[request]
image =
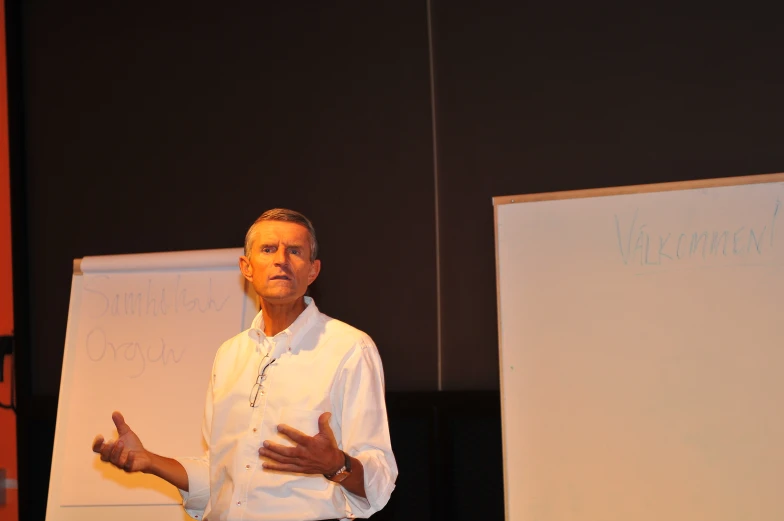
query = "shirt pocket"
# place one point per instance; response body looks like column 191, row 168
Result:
column 303, row 420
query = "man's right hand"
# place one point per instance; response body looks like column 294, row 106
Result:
column 126, row 452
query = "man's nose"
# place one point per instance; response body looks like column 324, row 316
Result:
column 281, row 256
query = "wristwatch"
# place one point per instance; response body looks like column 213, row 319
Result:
column 343, row 472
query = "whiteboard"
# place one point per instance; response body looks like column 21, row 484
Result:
column 641, row 342
column 142, row 333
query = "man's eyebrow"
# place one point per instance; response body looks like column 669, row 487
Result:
column 287, row 245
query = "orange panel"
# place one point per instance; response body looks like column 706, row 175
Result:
column 10, row 510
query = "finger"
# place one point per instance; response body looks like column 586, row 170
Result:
column 114, row 457
column 293, row 434
column 127, row 463
column 279, row 449
column 97, row 443
column 284, row 467
column 119, row 422
column 279, row 458
column 122, row 459
column 106, row 450
column 323, row 423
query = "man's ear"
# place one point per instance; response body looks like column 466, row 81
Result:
column 315, row 269
column 245, row 268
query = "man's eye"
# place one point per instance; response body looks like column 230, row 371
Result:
column 295, row 251
column 266, row 250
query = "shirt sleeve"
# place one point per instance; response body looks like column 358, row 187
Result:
column 359, row 396
column 197, row 497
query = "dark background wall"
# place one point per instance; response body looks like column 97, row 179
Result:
column 151, row 127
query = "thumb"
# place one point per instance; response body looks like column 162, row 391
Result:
column 323, row 423
column 119, row 422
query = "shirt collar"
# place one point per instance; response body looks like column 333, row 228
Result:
column 295, row 331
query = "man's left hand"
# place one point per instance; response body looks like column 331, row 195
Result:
column 317, row 454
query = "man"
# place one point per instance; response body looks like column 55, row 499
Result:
column 295, row 420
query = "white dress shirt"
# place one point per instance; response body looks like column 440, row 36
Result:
column 320, row 365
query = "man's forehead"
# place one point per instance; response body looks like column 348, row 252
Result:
column 281, row 230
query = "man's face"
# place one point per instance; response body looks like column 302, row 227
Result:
column 278, row 264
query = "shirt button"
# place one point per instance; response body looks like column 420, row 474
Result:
column 238, row 503
column 247, row 467
column 254, row 429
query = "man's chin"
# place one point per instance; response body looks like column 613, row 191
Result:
column 281, row 297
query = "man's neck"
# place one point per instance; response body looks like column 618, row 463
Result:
column 278, row 317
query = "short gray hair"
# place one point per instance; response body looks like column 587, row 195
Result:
column 285, row 215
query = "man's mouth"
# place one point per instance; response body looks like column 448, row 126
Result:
column 280, row 277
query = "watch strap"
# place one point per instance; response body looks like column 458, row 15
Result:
column 343, row 472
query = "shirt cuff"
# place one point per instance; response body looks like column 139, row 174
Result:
column 197, row 497
column 379, row 484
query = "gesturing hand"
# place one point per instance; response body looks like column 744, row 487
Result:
column 127, row 452
column 317, row 454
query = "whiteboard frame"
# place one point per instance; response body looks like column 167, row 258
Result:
column 585, row 193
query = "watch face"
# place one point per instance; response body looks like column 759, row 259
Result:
column 341, row 475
